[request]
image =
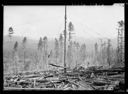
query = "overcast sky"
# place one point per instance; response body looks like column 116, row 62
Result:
column 40, row 21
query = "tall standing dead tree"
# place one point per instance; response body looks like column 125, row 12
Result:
column 120, row 40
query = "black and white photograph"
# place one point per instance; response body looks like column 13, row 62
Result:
column 64, row 47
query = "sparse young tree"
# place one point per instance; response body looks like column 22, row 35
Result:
column 108, row 52
column 40, row 44
column 96, row 51
column 45, row 50
column 50, row 58
column 70, row 26
column 69, row 54
column 73, row 54
column 61, row 48
column 121, row 23
column 96, row 48
column 82, row 53
column 103, row 53
column 40, row 53
column 15, row 57
column 24, row 48
column 10, row 31
column 77, row 53
column 56, row 49
column 51, row 54
column 15, row 46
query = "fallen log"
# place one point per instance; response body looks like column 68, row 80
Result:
column 100, row 83
column 110, row 70
column 84, row 86
column 56, row 65
column 14, row 88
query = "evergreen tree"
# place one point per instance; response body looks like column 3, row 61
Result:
column 40, row 44
column 24, row 48
column 15, row 57
column 77, row 54
column 61, row 49
column 70, row 26
column 108, row 52
column 69, row 54
column 15, row 46
column 82, row 53
column 96, row 51
column 45, row 50
column 10, row 32
column 96, row 48
column 56, row 49
column 40, row 53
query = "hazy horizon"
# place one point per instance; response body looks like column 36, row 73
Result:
column 39, row 21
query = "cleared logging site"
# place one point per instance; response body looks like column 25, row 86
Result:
column 63, row 63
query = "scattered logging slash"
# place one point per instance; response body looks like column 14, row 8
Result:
column 92, row 78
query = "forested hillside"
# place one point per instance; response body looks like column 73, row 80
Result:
column 33, row 55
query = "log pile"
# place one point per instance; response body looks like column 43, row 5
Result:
column 92, row 78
